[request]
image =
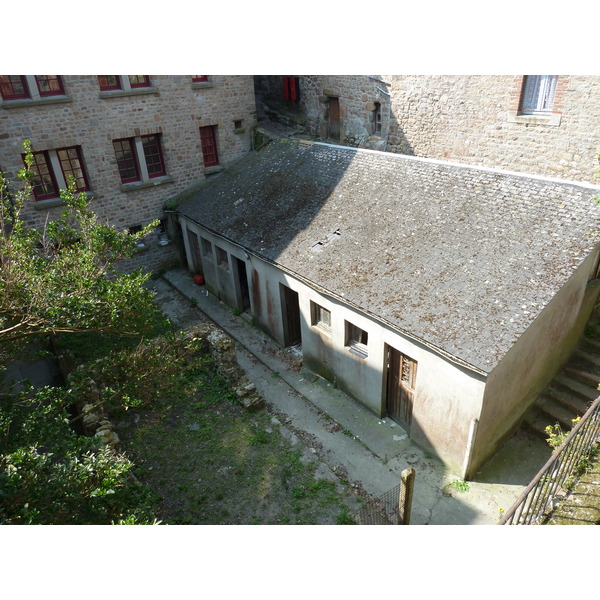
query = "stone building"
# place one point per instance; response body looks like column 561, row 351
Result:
column 130, row 141
column 441, row 294
column 543, row 124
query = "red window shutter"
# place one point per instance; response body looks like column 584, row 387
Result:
column 208, row 140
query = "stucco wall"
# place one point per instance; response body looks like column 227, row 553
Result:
column 447, row 396
column 534, row 359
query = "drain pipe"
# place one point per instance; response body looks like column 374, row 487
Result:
column 387, row 134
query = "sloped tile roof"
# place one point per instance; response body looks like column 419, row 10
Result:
column 461, row 258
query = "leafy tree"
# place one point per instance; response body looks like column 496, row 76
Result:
column 63, row 278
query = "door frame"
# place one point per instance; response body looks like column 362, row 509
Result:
column 403, row 387
column 291, row 319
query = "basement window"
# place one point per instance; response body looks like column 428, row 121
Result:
column 356, row 340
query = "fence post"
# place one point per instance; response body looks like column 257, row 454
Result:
column 407, row 485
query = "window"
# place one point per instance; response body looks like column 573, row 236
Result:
column 123, row 83
column 222, row 258
column 31, row 87
column 53, row 169
column 109, row 82
column 208, row 139
column 356, row 340
column 377, row 118
column 538, row 94
column 199, row 78
column 13, row 87
column 139, row 81
column 128, row 153
column 50, row 85
column 206, row 248
column 320, row 317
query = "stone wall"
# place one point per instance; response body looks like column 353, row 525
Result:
column 472, row 119
column 174, row 107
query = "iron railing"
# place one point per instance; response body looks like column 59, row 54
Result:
column 535, row 504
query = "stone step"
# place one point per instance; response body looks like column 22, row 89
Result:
column 582, row 390
column 536, row 422
column 582, row 375
column 575, row 404
column 590, row 344
column 555, row 412
column 582, row 356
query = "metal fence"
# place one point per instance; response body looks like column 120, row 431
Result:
column 538, row 500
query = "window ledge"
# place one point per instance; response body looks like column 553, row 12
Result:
column 200, row 85
column 323, row 329
column 144, row 185
column 241, row 130
column 124, row 93
column 41, row 102
column 52, row 202
column 359, row 350
column 550, row 119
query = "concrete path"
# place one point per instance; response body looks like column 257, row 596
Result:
column 350, row 439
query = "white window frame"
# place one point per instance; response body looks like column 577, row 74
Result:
column 539, row 92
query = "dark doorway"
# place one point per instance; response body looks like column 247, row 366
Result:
column 242, row 289
column 195, row 252
column 333, row 110
column 401, row 379
column 291, row 316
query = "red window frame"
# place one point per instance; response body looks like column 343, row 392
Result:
column 153, row 155
column 14, row 87
column 139, row 81
column 127, row 160
column 199, row 78
column 44, row 181
column 50, row 85
column 208, row 140
column 71, row 163
column 109, row 82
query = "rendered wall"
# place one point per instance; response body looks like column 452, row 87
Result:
column 533, row 361
column 447, row 396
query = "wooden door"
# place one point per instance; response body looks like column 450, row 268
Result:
column 195, row 252
column 291, row 316
column 334, row 118
column 401, row 379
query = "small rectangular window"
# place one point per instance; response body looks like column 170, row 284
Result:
column 222, row 259
column 199, row 78
column 206, row 248
column 356, row 340
column 320, row 317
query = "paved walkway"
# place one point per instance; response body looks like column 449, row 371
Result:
column 350, row 439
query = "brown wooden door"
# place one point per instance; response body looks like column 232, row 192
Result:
column 334, row 118
column 195, row 251
column 291, row 316
column 401, row 378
